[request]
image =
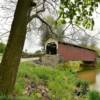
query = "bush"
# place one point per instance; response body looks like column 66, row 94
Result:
column 72, row 65
column 94, row 95
column 28, row 55
column 82, row 88
column 98, row 63
column 2, row 47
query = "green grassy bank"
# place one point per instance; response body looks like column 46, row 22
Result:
column 35, row 82
column 56, row 84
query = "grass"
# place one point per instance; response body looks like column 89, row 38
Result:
column 59, row 83
column 47, row 83
column 94, row 95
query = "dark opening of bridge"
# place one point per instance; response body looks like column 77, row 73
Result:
column 51, row 48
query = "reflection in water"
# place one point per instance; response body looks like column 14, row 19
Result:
column 92, row 77
column 89, row 76
column 97, row 83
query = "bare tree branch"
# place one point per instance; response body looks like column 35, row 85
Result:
column 43, row 21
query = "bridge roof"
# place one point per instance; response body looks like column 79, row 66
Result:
column 74, row 45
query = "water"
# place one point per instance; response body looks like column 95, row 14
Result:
column 93, row 77
column 96, row 85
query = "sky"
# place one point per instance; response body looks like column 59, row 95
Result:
column 36, row 39
column 32, row 42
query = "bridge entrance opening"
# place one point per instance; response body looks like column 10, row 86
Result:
column 51, row 48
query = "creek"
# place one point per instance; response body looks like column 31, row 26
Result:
column 93, row 77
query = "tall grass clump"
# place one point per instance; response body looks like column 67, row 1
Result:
column 94, row 95
column 70, row 65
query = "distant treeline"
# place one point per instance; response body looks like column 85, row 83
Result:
column 29, row 55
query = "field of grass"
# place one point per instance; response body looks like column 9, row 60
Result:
column 48, row 83
column 35, row 82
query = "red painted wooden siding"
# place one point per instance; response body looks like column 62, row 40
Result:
column 74, row 53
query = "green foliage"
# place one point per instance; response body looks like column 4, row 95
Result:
column 56, row 28
column 98, row 63
column 30, row 55
column 2, row 47
column 71, row 65
column 4, row 97
column 78, row 12
column 84, row 87
column 59, row 82
column 94, row 95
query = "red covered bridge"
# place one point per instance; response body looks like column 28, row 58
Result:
column 70, row 52
column 75, row 53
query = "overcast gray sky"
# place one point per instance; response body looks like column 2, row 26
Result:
column 32, row 42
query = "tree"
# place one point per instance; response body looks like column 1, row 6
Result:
column 78, row 12
column 84, row 41
column 88, row 42
column 93, row 44
column 12, row 55
column 11, row 59
column 57, row 29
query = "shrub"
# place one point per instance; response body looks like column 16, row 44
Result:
column 2, row 47
column 5, row 97
column 82, row 88
column 98, row 63
column 94, row 95
column 72, row 65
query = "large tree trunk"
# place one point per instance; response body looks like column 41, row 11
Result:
column 12, row 55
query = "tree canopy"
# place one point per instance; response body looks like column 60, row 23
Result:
column 57, row 29
column 78, row 12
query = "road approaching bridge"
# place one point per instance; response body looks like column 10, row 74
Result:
column 29, row 59
column 24, row 59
